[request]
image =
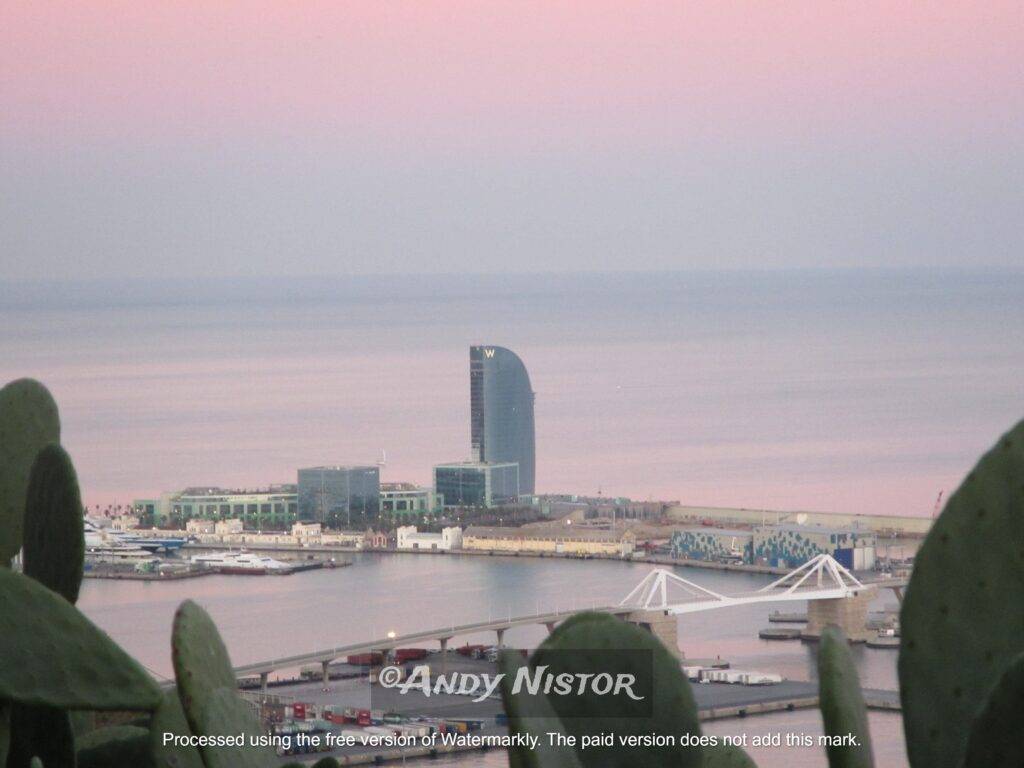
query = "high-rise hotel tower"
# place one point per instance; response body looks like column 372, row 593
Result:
column 501, row 411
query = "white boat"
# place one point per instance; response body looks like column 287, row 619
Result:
column 102, row 546
column 240, row 562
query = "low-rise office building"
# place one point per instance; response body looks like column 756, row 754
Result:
column 401, row 499
column 273, row 507
column 334, row 495
column 568, row 540
column 477, row 483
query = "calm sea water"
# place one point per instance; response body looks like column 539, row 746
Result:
column 846, row 391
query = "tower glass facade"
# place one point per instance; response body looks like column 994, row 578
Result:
column 501, row 411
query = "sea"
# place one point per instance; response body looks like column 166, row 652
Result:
column 849, row 391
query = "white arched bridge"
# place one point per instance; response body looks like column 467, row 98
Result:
column 821, row 578
column 660, row 592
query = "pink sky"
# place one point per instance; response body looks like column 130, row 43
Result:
column 600, row 69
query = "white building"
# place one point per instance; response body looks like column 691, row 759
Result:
column 409, row 538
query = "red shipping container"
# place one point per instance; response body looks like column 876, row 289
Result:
column 299, row 711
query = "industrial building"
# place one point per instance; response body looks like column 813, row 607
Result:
column 781, row 546
column 501, row 411
column 477, row 483
column 719, row 545
column 568, row 540
column 334, row 495
column 791, row 545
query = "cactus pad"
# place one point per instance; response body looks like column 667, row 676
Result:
column 726, row 756
column 532, row 715
column 53, row 655
column 28, row 423
column 169, row 718
column 842, row 703
column 961, row 621
column 118, row 745
column 54, row 542
column 995, row 734
column 206, row 689
column 42, row 732
column 667, row 706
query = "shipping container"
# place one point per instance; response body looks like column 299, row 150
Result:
column 365, row 659
column 403, row 655
column 844, row 557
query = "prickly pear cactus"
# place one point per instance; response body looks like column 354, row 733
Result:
column 842, row 703
column 54, row 542
column 119, row 745
column 206, row 689
column 54, row 656
column 28, row 423
column 726, row 756
column 43, row 732
column 5, row 730
column 532, row 715
column 666, row 707
column 995, row 734
column 961, row 620
column 170, row 718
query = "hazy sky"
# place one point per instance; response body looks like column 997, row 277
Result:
column 186, row 138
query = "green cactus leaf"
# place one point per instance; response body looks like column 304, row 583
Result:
column 54, row 656
column 726, row 756
column 43, row 732
column 326, row 762
column 995, row 733
column 206, row 689
column 667, row 707
column 54, row 541
column 170, row 718
column 28, row 423
column 960, row 621
column 842, row 703
column 5, row 730
column 82, row 721
column 532, row 715
column 118, row 745
column 201, row 662
column 224, row 713
column 36, row 763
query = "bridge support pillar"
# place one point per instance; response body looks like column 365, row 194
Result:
column 550, row 625
column 444, row 654
column 325, row 667
column 898, row 591
column 661, row 624
column 850, row 614
column 501, row 637
column 263, row 683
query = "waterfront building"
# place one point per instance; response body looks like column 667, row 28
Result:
column 791, row 545
column 334, row 495
column 407, row 537
column 273, row 507
column 408, row 499
column 553, row 539
column 501, row 411
column 477, row 483
column 721, row 545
